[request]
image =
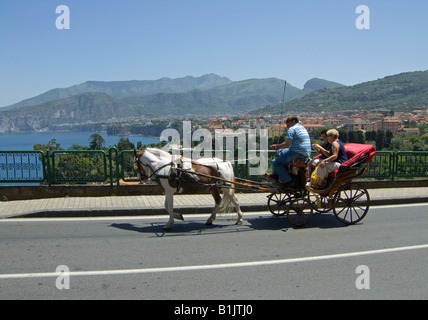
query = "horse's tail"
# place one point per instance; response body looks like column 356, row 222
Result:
column 226, row 205
column 228, row 193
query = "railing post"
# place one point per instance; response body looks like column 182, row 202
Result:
column 45, row 172
column 48, row 168
column 393, row 165
column 110, row 151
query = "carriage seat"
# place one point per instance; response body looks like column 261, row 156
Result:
column 300, row 162
column 358, row 154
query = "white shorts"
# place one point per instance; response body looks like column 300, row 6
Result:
column 322, row 172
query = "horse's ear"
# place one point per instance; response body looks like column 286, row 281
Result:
column 135, row 153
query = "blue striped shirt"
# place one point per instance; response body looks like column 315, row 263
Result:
column 301, row 142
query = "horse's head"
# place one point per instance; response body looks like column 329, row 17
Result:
column 140, row 165
column 150, row 162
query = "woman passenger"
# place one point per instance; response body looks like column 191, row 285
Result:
column 335, row 157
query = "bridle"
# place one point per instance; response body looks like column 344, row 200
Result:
column 138, row 165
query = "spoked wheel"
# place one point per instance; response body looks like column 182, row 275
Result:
column 351, row 203
column 300, row 212
column 278, row 203
column 320, row 203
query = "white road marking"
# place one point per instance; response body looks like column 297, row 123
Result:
column 212, row 266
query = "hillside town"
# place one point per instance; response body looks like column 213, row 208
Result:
column 406, row 122
column 409, row 129
column 386, row 130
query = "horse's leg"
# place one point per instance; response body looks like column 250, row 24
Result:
column 169, row 206
column 217, row 198
column 238, row 209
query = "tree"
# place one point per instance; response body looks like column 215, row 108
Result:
column 380, row 140
column 361, row 138
column 96, row 142
column 316, row 134
column 343, row 135
column 76, row 146
column 388, row 137
column 51, row 146
column 399, row 143
column 371, row 135
column 124, row 144
column 353, row 137
column 424, row 137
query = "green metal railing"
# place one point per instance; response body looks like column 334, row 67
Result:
column 410, row 164
column 97, row 166
column 22, row 166
column 381, row 166
column 78, row 166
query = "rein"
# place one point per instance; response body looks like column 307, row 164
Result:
column 158, row 169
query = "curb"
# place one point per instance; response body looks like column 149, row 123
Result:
column 115, row 212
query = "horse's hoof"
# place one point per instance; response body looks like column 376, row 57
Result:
column 178, row 216
column 209, row 223
column 238, row 223
column 166, row 227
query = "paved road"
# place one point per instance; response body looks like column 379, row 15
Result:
column 265, row 258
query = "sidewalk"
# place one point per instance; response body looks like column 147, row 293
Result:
column 153, row 205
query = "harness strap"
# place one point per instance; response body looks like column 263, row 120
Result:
column 158, row 169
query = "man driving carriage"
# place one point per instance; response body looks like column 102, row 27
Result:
column 296, row 146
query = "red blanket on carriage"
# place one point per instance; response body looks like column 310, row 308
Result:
column 358, row 154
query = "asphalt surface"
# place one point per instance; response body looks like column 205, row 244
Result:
column 265, row 258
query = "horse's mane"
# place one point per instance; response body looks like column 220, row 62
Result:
column 164, row 155
column 159, row 153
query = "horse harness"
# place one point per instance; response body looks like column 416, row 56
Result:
column 177, row 172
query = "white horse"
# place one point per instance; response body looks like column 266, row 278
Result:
column 182, row 175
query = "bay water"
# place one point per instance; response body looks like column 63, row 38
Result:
column 25, row 141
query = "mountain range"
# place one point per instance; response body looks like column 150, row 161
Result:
column 108, row 102
column 121, row 89
column 402, row 92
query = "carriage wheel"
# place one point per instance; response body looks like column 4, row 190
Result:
column 278, row 203
column 325, row 205
column 300, row 212
column 351, row 203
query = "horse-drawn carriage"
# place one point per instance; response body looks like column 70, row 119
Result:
column 349, row 200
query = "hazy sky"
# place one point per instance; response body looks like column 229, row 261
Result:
column 239, row 39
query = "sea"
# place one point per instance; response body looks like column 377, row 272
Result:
column 25, row 141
